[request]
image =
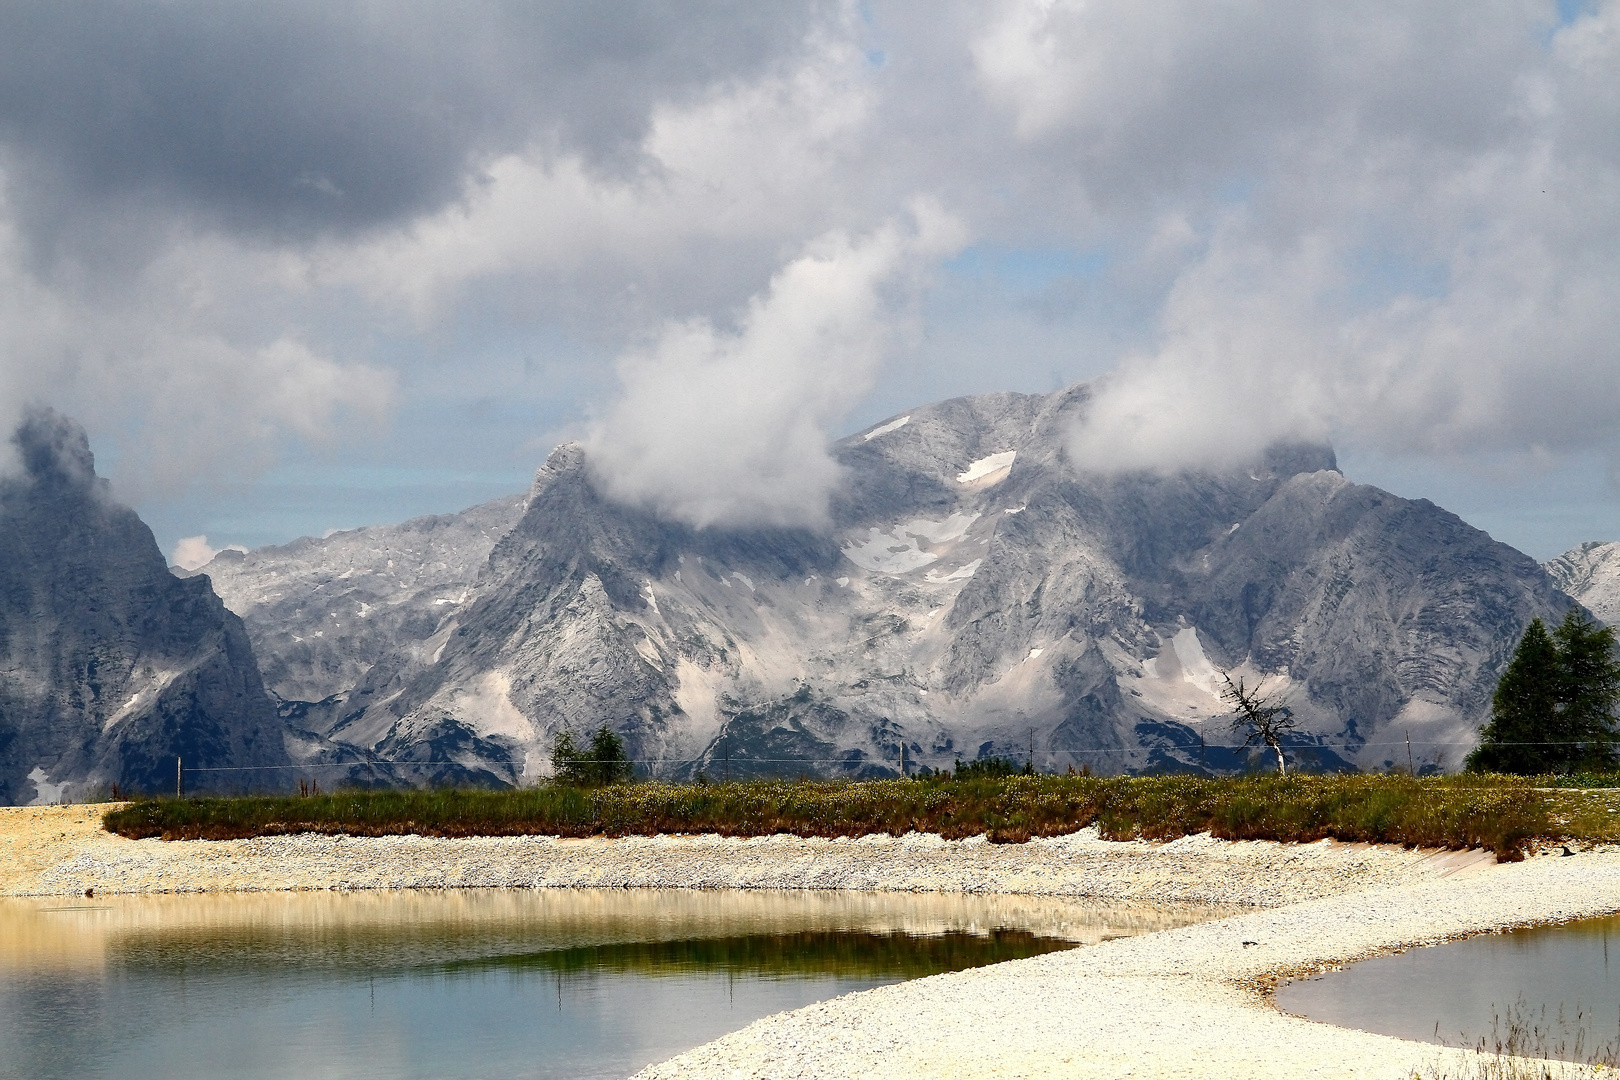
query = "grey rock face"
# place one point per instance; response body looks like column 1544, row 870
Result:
column 1591, row 574
column 979, row 594
column 110, row 666
column 323, row 612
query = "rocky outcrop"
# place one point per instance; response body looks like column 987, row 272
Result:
column 322, row 612
column 1591, row 574
column 979, row 593
column 110, row 666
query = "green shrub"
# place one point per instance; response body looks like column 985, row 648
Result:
column 990, row 767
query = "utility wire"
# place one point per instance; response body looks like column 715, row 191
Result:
column 846, row 760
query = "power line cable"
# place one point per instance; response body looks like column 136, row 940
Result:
column 848, row 761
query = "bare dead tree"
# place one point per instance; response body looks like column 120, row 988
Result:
column 1260, row 717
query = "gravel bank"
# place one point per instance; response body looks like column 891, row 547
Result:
column 1187, row 1002
column 1181, row 1003
column 64, row 851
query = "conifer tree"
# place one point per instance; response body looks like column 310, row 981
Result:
column 603, row 762
column 1524, row 709
column 1588, row 693
column 1554, row 708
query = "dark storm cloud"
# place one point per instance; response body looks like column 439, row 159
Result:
column 289, row 119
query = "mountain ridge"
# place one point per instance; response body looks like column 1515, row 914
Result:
column 111, row 668
column 1590, row 573
column 977, row 594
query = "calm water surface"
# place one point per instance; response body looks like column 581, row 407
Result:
column 1560, row 978
column 484, row 983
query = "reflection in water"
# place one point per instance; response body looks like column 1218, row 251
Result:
column 477, row 983
column 1556, row 982
column 844, row 954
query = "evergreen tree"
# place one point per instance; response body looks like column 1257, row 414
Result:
column 1588, row 693
column 1523, row 710
column 1554, row 708
column 609, row 763
column 603, row 762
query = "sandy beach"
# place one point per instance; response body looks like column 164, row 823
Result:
column 1187, row 1002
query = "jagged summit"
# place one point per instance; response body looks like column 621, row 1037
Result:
column 110, row 667
column 978, row 593
column 1591, row 574
column 55, row 456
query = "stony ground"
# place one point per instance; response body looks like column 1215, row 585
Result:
column 1180, row 1003
column 1188, row 1002
column 63, row 850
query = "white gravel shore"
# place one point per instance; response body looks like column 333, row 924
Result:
column 1190, row 1002
column 1186, row 1002
column 63, row 851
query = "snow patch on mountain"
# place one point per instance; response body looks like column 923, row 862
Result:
column 992, row 468
column 884, row 429
column 488, row 704
column 907, row 546
column 961, row 573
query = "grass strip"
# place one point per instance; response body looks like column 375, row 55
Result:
column 1499, row 813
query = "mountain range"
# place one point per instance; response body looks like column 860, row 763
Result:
column 977, row 593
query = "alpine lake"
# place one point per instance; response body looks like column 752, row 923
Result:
column 573, row 983
column 1546, row 991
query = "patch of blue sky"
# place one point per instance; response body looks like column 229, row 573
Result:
column 1027, row 270
column 1236, row 190
column 1565, row 13
column 309, row 499
column 379, row 477
column 1379, row 275
column 1570, row 10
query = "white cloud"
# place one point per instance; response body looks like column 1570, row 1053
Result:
column 1396, row 226
column 194, row 552
column 1395, row 243
column 730, row 426
column 747, row 165
column 173, row 367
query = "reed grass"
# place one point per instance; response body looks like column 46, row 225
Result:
column 1503, row 814
column 1529, row 1044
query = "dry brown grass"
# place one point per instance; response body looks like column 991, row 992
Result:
column 1499, row 813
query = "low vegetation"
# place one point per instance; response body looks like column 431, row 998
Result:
column 1529, row 1044
column 1501, row 813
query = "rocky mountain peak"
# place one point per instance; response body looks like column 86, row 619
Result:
column 110, row 667
column 55, row 456
column 1591, row 574
column 978, row 593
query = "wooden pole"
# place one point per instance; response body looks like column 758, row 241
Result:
column 179, row 785
column 1410, row 767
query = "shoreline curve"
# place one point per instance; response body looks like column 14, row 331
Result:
column 1190, row 1002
